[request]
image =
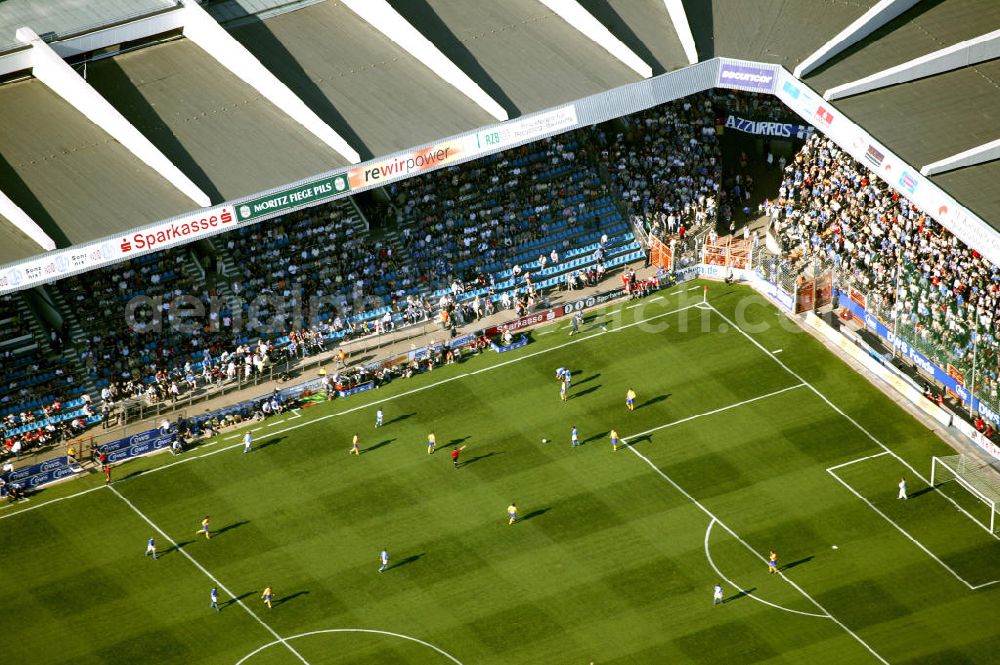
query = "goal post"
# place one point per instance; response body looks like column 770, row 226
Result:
column 978, row 478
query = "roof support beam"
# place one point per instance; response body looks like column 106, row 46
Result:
column 970, row 52
column 204, row 31
column 883, row 12
column 381, row 16
column 13, row 213
column 578, row 17
column 986, row 152
column 675, row 8
column 50, row 69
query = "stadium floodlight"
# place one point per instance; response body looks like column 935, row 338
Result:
column 978, row 478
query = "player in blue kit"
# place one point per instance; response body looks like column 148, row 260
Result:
column 378, row 418
column 151, row 547
column 215, row 600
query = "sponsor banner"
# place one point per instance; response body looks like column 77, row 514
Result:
column 383, row 171
column 463, row 340
column 356, row 389
column 687, row 274
column 595, row 299
column 977, row 438
column 137, row 445
column 761, row 128
column 905, row 179
column 308, row 194
column 886, row 373
column 522, row 130
column 295, row 391
column 918, row 359
column 721, row 272
column 777, row 294
column 60, row 263
column 176, row 232
column 523, row 341
column 36, row 475
column 755, row 77
column 530, row 320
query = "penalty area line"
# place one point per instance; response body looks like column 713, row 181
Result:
column 844, row 414
column 972, row 587
column 209, row 575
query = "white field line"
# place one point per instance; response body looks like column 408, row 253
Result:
column 693, row 288
column 913, row 540
column 713, row 412
column 633, row 306
column 849, row 418
column 295, row 414
column 369, row 405
column 757, row 554
column 353, row 630
column 276, row 422
column 750, row 594
column 855, row 461
column 656, row 298
column 207, row 574
column 777, row 351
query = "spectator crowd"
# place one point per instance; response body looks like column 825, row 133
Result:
column 941, row 295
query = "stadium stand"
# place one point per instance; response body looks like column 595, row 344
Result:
column 465, row 242
column 43, row 399
column 944, row 294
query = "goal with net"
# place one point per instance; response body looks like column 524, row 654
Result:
column 980, row 479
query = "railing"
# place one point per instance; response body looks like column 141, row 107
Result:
column 969, row 364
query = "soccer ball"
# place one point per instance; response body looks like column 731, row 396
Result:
column 545, row 440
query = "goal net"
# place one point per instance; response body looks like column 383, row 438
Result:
column 977, row 478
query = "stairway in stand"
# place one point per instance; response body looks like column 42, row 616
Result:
column 74, row 337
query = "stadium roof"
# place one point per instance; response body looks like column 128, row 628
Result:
column 453, row 66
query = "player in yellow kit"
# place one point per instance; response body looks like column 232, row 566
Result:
column 266, row 596
column 511, row 513
column 614, row 441
column 204, row 529
column 562, row 391
column 431, row 442
column 630, row 399
column 772, row 562
column 355, row 449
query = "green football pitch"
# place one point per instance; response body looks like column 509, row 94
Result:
column 748, row 437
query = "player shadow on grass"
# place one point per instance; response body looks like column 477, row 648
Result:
column 534, row 513
column 408, row 560
column 230, row 527
column 480, row 457
column 798, row 562
column 377, row 446
column 457, row 442
column 586, row 391
column 654, row 400
column 740, row 594
column 176, row 547
column 233, row 601
column 595, row 437
column 589, row 378
column 270, row 442
column 291, row 596
column 399, row 418
column 929, row 488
